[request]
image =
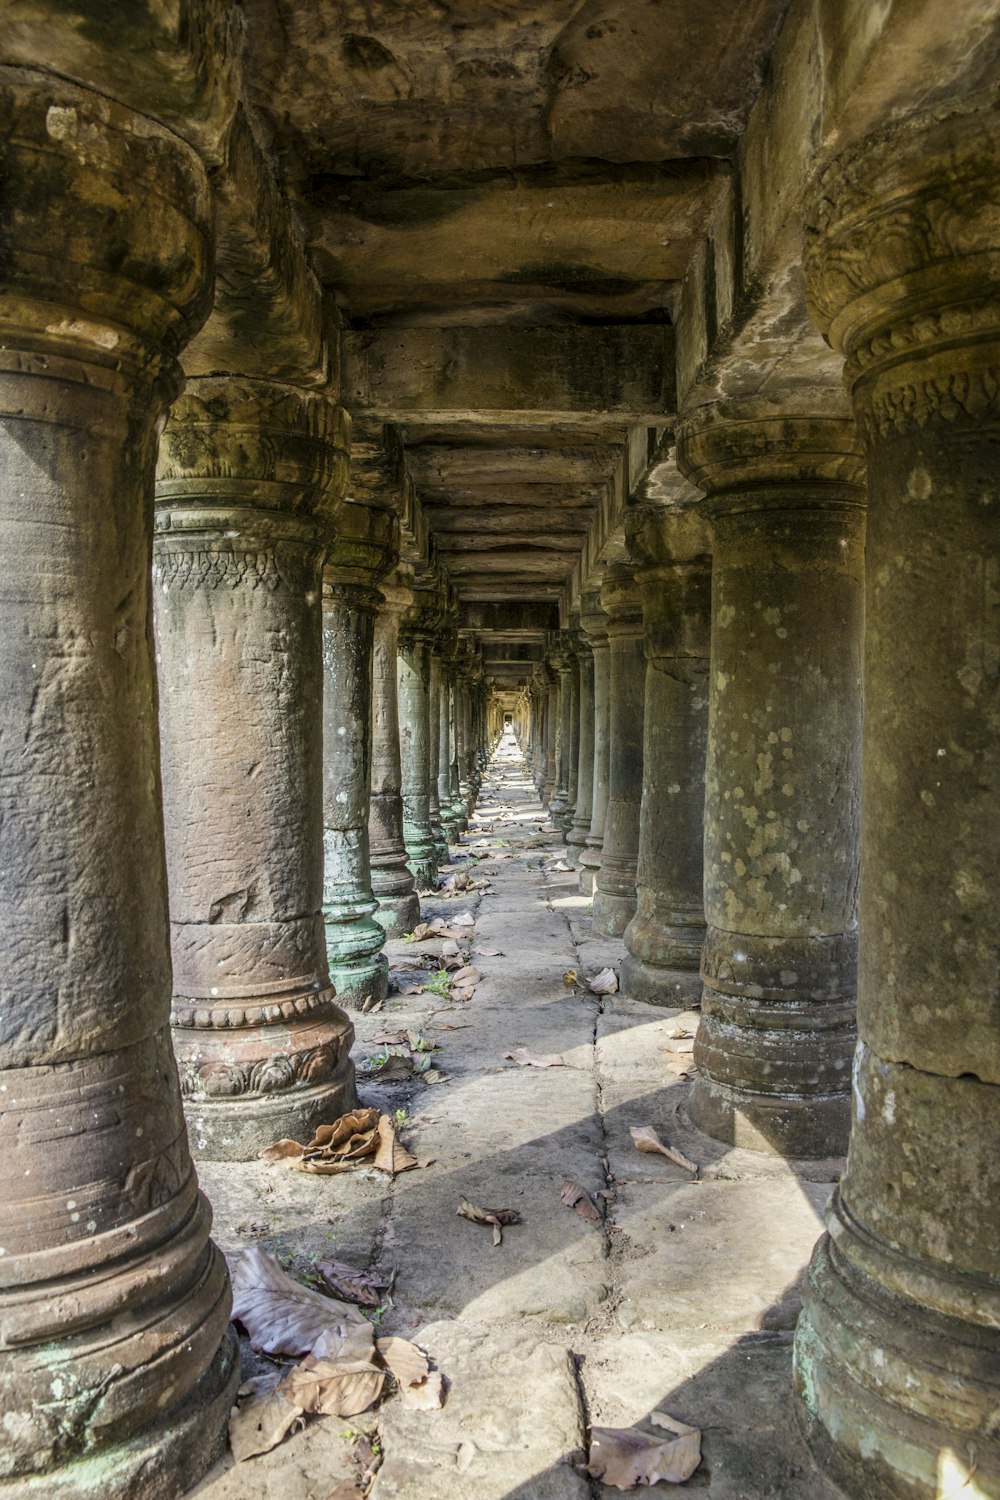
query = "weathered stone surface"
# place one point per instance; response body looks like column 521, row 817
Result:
column 614, row 886
column 392, row 882
column 897, row 1352
column 116, row 1368
column 245, row 468
column 594, row 625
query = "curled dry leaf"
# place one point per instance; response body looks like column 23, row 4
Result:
column 396, row 1068
column 526, row 1059
column 420, row 1388
column 604, row 982
column 464, row 919
column 392, row 1038
column 488, row 952
column 576, row 1197
column 493, row 1216
column 283, row 1317
column 624, row 1457
column 363, row 1287
column 404, row 987
column 645, row 1138
column 570, row 977
column 466, row 976
column 346, row 1490
column 333, row 1388
column 392, row 1157
column 260, row 1423
column 680, row 1031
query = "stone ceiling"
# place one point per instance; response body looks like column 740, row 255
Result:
column 500, row 200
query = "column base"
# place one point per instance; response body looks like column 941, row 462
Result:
column 239, row 1129
column 163, row 1461
column 677, row 988
column 360, row 982
column 801, row 1126
column 590, row 864
column 612, row 912
column 897, row 1401
column 397, row 915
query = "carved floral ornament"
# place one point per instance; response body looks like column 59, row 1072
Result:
column 902, row 263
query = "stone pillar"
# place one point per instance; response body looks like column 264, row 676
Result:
column 398, row 904
column 435, row 694
column 244, row 470
column 781, row 798
column 579, row 828
column 459, row 810
column 450, row 813
column 663, row 940
column 552, row 726
column 412, row 676
column 573, row 780
column 116, row 1369
column 898, row 1345
column 594, row 623
column 363, row 549
column 561, row 662
column 614, row 888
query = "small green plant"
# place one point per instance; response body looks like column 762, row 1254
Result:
column 421, row 1044
column 439, row 983
column 401, row 1118
column 378, row 1313
column 407, row 937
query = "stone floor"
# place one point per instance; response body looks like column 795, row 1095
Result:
column 683, row 1298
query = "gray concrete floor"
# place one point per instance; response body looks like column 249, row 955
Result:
column 682, row 1298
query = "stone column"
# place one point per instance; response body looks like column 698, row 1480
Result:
column 116, row 1369
column 459, row 810
column 364, row 547
column 579, row 828
column 552, row 727
column 898, row 1345
column 398, row 904
column 245, row 470
column 450, row 813
column 412, row 675
column 594, row 623
column 561, row 663
column 614, row 888
column 663, row 940
column 573, row 780
column 435, row 694
column 781, row 798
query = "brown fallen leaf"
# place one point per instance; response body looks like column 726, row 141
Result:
column 679, row 1031
column 645, row 1138
column 261, row 1422
column 431, row 1076
column 346, row 1490
column 403, row 988
column 604, row 982
column 396, row 1068
column 392, row 1156
column 625, row 1457
column 283, row 1317
column 420, row 1388
column 576, row 1197
column 494, row 1216
column 526, row 1059
column 488, row 952
column 333, row 1388
column 570, row 977
column 467, row 975
column 366, row 1288
column 392, row 1038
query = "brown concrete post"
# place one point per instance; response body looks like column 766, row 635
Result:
column 663, row 940
column 781, row 797
column 614, row 887
column 576, row 838
column 594, row 624
column 364, row 547
column 392, row 883
column 116, row 1368
column 898, row 1346
column 245, row 472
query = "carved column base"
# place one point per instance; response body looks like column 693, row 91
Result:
column 360, row 982
column 612, row 913
column 399, row 913
column 872, row 1361
column 590, row 863
column 246, row 1084
column 663, row 954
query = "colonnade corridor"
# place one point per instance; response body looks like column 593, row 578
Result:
column 681, row 1296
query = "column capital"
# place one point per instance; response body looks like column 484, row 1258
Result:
column 244, row 454
column 83, row 178
column 365, row 546
column 593, row 620
column 662, row 536
column 621, row 600
column 902, row 263
column 750, row 448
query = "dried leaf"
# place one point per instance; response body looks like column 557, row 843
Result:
column 466, row 976
column 680, row 1031
column 420, row 1389
column 464, row 919
column 392, row 1157
column 363, row 1287
column 396, row 1068
column 283, row 1317
column 605, row 982
column 494, row 1216
column 404, row 988
column 645, row 1138
column 392, row 1038
column 333, row 1388
column 261, row 1423
column 624, row 1457
column 488, row 952
column 346, row 1490
column 576, row 1197
column 430, row 1076
column 571, row 977
column 526, row 1059
column 281, row 1151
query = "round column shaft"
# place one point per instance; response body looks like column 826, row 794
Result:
column 244, row 468
column 450, row 813
column 116, row 1368
column 364, row 547
column 411, row 685
column 898, row 1345
column 552, row 726
column 781, row 799
column 663, row 940
column 579, row 828
column 574, row 741
column 614, row 888
column 559, row 806
column 594, row 623
column 398, row 904
column 434, row 697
